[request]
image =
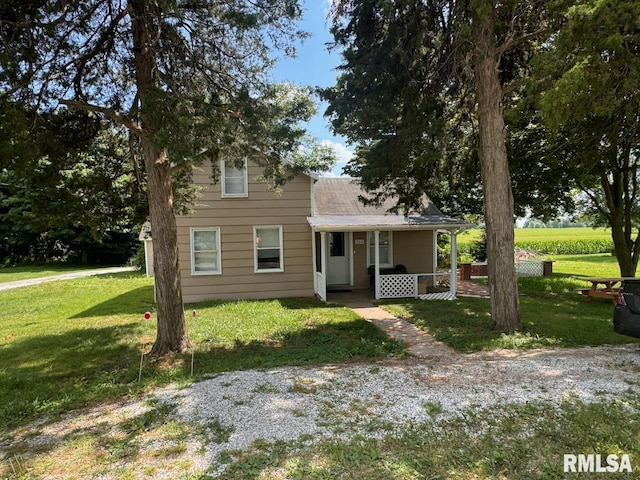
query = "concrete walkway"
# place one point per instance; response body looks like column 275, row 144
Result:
column 64, row 276
column 418, row 342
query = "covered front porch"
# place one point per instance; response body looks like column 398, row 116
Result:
column 389, row 261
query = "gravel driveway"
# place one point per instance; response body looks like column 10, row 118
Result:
column 373, row 399
column 339, row 401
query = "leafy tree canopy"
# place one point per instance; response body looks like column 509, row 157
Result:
column 580, row 116
column 68, row 189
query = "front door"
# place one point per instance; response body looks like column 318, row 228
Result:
column 338, row 263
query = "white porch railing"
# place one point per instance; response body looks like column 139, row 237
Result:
column 320, row 286
column 405, row 285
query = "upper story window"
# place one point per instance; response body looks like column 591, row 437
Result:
column 268, row 251
column 234, row 178
column 386, row 249
column 205, row 251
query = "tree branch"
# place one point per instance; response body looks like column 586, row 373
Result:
column 112, row 114
column 105, row 37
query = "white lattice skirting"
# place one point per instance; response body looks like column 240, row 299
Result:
column 438, row 296
column 530, row 268
column 398, row 286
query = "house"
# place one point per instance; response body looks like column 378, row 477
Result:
column 244, row 240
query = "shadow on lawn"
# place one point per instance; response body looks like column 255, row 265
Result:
column 49, row 374
column 293, row 303
column 133, row 302
column 316, row 344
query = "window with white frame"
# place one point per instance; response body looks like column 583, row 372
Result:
column 268, row 251
column 386, row 250
column 234, row 178
column 205, row 251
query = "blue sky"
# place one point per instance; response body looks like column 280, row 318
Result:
column 315, row 66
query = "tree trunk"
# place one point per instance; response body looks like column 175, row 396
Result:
column 624, row 246
column 496, row 180
column 171, row 331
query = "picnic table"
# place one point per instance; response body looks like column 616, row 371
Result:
column 604, row 287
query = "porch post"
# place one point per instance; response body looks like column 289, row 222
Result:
column 315, row 261
column 376, row 236
column 323, row 265
column 454, row 262
column 434, row 260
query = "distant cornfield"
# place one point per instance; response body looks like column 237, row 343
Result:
column 551, row 241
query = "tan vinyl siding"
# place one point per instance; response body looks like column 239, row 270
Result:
column 236, row 218
column 414, row 250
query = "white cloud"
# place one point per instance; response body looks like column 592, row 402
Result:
column 343, row 155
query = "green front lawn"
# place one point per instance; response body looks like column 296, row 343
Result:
column 72, row 343
column 553, row 314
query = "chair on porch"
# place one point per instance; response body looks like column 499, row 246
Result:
column 383, row 271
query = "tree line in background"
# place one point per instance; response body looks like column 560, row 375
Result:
column 69, row 189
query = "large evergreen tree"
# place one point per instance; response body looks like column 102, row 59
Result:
column 421, row 92
column 189, row 79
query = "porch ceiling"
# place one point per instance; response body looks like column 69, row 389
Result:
column 357, row 223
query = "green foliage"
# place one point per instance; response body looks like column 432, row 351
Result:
column 212, row 94
column 578, row 118
column 556, row 241
column 189, row 80
column 567, row 247
column 479, row 249
column 68, row 190
column 413, row 136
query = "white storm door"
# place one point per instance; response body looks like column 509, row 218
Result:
column 338, row 259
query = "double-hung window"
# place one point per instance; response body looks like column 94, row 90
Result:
column 205, row 251
column 234, row 178
column 386, row 259
column 268, row 251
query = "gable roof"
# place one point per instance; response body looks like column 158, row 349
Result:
column 336, row 206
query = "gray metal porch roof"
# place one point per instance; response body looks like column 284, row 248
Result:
column 337, row 207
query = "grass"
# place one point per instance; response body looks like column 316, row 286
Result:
column 531, row 234
column 514, row 441
column 73, row 343
column 13, row 274
column 553, row 314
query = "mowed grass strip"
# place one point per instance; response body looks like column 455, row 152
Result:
column 72, row 343
column 552, row 312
